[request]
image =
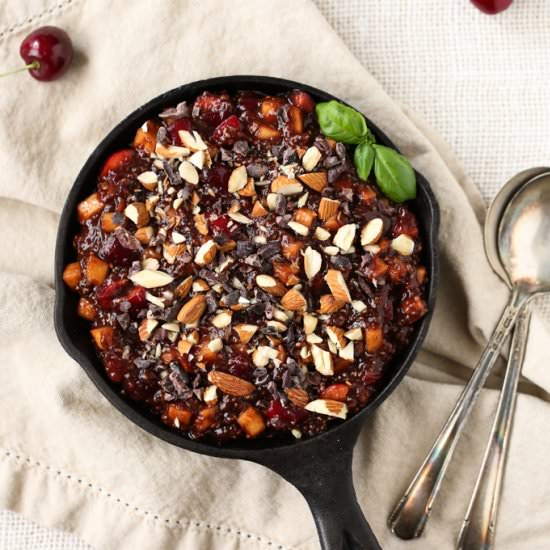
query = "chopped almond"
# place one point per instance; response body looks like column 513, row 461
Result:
column 258, row 211
column 305, row 216
column 328, row 208
column 291, row 250
column 314, row 180
column 330, row 304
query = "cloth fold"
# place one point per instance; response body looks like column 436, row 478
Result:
column 67, row 459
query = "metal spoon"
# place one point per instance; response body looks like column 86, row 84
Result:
column 524, row 249
column 478, row 530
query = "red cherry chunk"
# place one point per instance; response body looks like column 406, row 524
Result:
column 175, row 126
column 50, row 49
column 108, row 291
column 240, row 365
column 302, row 100
column 227, row 132
column 136, row 297
column 220, row 224
column 213, row 108
column 116, row 367
column 282, row 417
column 218, row 176
column 406, row 223
column 117, row 161
column 120, row 248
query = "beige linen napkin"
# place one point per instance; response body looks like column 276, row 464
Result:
column 67, row 459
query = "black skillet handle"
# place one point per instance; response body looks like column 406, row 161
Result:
column 321, row 471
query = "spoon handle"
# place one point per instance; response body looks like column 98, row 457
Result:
column 478, row 528
column 409, row 517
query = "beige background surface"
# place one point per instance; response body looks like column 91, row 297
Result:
column 479, row 81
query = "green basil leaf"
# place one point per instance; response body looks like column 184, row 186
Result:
column 394, row 174
column 363, row 159
column 340, row 122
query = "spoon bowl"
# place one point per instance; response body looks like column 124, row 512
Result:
column 523, row 236
column 495, row 212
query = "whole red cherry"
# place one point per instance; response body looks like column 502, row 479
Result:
column 492, row 7
column 48, row 52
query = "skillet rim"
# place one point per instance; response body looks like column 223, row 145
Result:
column 254, row 450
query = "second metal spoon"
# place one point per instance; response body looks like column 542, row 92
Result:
column 479, row 527
column 522, row 239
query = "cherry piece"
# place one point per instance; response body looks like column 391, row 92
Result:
column 120, row 248
column 48, row 52
column 282, row 417
column 405, row 223
column 302, row 100
column 492, row 7
column 212, row 108
column 116, row 161
column 136, row 297
column 108, row 291
column 240, row 365
column 175, row 126
column 218, row 176
column 227, row 132
column 116, row 367
column 219, row 224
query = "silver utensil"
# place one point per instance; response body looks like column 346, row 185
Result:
column 524, row 249
column 479, row 527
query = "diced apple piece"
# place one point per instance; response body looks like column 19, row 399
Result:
column 89, row 207
column 110, row 221
column 146, row 137
column 266, row 133
column 368, row 194
column 337, row 392
column 379, row 268
column 373, row 338
column 72, row 274
column 178, row 415
column 86, row 309
column 251, row 421
column 96, row 270
column 103, row 337
column 206, row 418
column 295, row 120
column 269, row 108
column 421, row 274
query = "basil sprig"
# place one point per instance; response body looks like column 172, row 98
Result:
column 393, row 172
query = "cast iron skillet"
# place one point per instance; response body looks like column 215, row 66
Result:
column 320, row 467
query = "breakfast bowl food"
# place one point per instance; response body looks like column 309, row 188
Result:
column 236, row 281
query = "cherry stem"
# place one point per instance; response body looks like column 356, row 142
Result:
column 34, row 65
